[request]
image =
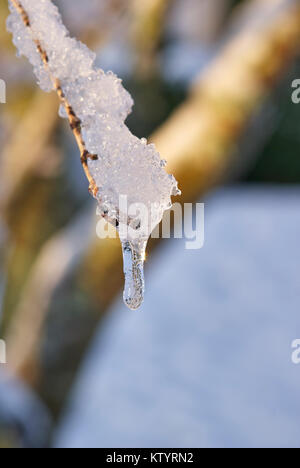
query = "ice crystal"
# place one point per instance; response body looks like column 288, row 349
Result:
column 126, row 165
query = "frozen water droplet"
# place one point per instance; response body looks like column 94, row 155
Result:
column 126, row 165
column 62, row 112
column 176, row 191
column 134, row 259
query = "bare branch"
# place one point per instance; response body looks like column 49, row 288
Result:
column 74, row 121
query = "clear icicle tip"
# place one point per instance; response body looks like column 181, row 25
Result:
column 134, row 259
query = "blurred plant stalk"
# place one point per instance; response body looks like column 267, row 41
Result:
column 148, row 19
column 24, row 152
column 200, row 139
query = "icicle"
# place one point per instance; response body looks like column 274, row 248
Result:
column 134, row 259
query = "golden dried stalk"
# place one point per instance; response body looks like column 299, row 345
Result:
column 147, row 24
column 33, row 132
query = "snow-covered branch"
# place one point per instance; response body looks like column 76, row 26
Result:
column 74, row 121
column 96, row 104
column 116, row 163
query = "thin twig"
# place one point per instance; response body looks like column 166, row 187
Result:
column 74, row 121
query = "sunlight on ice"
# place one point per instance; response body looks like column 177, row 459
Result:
column 133, row 260
column 126, row 165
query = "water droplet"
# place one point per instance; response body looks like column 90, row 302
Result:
column 134, row 259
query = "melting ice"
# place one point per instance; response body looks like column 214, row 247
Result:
column 126, row 165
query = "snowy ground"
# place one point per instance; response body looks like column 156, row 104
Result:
column 207, row 361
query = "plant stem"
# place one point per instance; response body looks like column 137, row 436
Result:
column 74, row 121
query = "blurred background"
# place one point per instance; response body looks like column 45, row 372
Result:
column 207, row 360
